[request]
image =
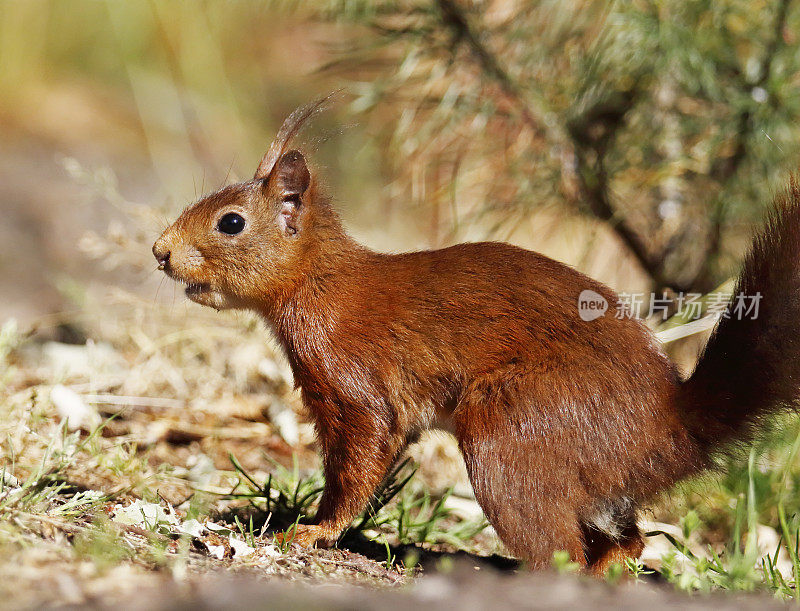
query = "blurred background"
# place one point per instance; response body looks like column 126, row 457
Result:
column 637, row 140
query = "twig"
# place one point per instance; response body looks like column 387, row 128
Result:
column 158, row 402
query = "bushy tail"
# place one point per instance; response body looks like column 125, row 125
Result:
column 750, row 367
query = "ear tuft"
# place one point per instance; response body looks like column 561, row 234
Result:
column 293, row 176
column 291, row 126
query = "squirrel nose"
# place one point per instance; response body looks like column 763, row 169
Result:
column 162, row 256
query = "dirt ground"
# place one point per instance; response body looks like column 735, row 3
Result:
column 463, row 588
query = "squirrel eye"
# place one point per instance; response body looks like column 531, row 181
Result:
column 231, row 223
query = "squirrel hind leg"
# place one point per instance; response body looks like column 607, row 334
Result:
column 604, row 548
column 533, row 513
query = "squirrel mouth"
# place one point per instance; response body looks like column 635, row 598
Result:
column 197, row 288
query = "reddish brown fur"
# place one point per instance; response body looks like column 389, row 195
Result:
column 566, row 426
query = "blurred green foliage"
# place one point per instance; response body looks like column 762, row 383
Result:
column 671, row 121
column 196, row 90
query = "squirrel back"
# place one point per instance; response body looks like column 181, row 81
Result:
column 566, row 425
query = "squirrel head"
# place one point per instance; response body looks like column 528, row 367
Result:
column 248, row 242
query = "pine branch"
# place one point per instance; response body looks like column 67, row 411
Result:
column 534, row 112
column 584, row 149
column 724, row 169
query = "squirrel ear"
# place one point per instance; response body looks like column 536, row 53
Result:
column 292, row 175
column 291, row 179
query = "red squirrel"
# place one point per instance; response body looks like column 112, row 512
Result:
column 566, row 426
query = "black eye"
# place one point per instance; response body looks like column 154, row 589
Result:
column 231, row 223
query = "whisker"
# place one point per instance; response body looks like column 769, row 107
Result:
column 172, row 307
column 158, row 290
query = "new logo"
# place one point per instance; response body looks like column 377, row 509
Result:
column 591, row 305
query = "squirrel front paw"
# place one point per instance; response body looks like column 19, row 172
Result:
column 307, row 535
